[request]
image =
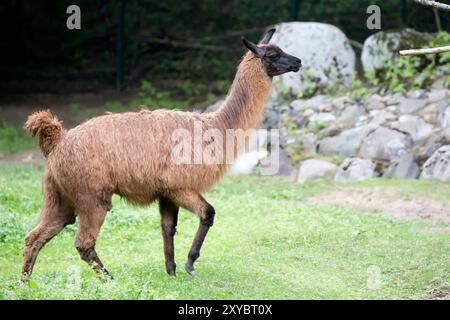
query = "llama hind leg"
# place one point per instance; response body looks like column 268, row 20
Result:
column 90, row 224
column 169, row 217
column 194, row 202
column 55, row 215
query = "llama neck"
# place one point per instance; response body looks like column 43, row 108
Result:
column 244, row 106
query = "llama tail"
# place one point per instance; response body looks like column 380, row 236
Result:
column 48, row 129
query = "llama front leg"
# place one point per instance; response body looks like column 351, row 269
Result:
column 194, row 202
column 90, row 224
column 169, row 218
column 194, row 253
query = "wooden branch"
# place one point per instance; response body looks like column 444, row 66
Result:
column 356, row 44
column 437, row 19
column 435, row 4
column 416, row 52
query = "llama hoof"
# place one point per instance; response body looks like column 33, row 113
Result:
column 24, row 278
column 190, row 269
column 171, row 273
column 105, row 275
column 171, row 269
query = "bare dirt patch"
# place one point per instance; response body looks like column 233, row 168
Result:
column 389, row 202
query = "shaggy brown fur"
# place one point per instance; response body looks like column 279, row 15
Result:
column 129, row 154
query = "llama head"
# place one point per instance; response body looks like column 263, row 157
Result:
column 274, row 60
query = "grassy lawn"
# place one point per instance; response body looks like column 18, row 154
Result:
column 14, row 139
column 268, row 242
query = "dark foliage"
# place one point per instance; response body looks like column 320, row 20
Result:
column 168, row 41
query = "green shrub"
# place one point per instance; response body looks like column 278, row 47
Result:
column 406, row 73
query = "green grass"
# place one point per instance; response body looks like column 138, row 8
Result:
column 14, row 139
column 267, row 243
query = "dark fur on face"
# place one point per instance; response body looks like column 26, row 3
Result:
column 274, row 60
column 277, row 62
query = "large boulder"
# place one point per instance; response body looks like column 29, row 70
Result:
column 437, row 167
column 415, row 126
column 381, row 48
column 403, row 168
column 326, row 54
column 410, row 105
column 306, row 143
column 355, row 169
column 316, row 169
column 346, row 144
column 284, row 164
column 385, row 144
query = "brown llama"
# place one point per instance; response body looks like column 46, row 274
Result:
column 129, row 154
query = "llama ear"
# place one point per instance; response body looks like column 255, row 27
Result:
column 268, row 36
column 252, row 47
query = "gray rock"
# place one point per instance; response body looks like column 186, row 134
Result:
column 316, row 169
column 424, row 151
column 375, row 104
column 393, row 99
column 349, row 116
column 416, row 127
column 307, row 143
column 297, row 118
column 443, row 106
column 392, row 109
column 324, row 118
column 362, row 121
column 272, row 119
column 429, row 113
column 298, row 104
column 385, row 144
column 330, row 131
column 446, row 134
column 411, row 106
column 355, row 169
column 327, row 49
column 438, row 95
column 326, row 107
column 444, row 119
column 316, row 102
column 403, row 168
column 437, row 167
column 341, row 102
column 380, row 117
column 308, row 112
column 285, row 167
column 346, row 144
column 418, row 94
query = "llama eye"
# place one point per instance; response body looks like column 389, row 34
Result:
column 273, row 56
